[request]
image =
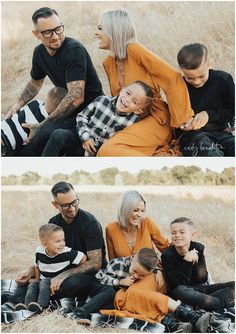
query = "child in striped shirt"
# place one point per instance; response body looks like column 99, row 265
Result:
column 51, row 258
column 13, row 134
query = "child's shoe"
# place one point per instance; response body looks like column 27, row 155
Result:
column 35, row 307
column 20, row 307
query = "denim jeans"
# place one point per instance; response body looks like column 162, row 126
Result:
column 207, row 144
column 210, row 297
column 35, row 291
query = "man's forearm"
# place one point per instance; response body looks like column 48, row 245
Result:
column 84, row 268
column 71, row 101
column 31, row 90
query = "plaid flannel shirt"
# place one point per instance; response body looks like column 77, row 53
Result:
column 100, row 120
column 116, row 270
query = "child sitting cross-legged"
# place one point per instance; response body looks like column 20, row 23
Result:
column 51, row 258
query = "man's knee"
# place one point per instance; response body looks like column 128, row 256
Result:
column 59, row 135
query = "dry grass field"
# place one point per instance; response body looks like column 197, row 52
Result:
column 163, row 27
column 23, row 212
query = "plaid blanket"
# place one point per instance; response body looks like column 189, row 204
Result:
column 9, row 315
column 99, row 320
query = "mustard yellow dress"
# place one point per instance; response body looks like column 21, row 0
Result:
column 146, row 136
column 141, row 300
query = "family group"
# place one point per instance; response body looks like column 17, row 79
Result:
column 148, row 277
column 77, row 119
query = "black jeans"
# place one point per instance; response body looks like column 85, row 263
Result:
column 85, row 285
column 207, row 144
column 102, row 296
column 63, row 141
column 210, row 297
column 35, row 291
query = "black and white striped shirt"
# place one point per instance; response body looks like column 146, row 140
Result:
column 12, row 132
column 100, row 120
column 51, row 266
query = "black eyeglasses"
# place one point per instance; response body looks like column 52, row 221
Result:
column 48, row 33
column 68, row 205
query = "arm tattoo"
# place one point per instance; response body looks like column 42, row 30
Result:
column 92, row 265
column 66, row 107
column 31, row 90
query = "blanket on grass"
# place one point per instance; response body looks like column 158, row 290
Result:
column 9, row 315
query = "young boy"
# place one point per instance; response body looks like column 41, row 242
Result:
column 186, row 273
column 212, row 95
column 51, row 258
column 101, row 120
column 13, row 134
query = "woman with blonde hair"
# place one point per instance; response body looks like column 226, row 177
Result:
column 131, row 61
column 132, row 231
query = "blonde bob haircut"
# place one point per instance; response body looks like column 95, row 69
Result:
column 126, row 205
column 119, row 27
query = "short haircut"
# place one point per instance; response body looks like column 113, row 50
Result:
column 61, row 188
column 147, row 89
column 126, row 205
column 56, row 95
column 45, row 231
column 183, row 220
column 43, row 12
column 192, row 56
column 119, row 27
column 147, row 258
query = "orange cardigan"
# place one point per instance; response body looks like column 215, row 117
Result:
column 142, row 64
column 148, row 234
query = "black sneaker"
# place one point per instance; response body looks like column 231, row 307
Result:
column 35, row 307
column 80, row 318
column 20, row 307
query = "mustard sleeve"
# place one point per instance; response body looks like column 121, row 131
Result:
column 110, row 246
column 158, row 239
column 170, row 81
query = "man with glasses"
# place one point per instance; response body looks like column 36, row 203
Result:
column 67, row 63
column 82, row 233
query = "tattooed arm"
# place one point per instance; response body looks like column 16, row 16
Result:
column 30, row 91
column 65, row 108
column 71, row 101
column 92, row 265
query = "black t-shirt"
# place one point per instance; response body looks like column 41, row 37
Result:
column 71, row 62
column 178, row 271
column 83, row 234
column 217, row 97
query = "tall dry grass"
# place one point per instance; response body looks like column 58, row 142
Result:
column 163, row 27
column 23, row 212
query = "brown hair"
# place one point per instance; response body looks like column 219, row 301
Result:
column 191, row 56
column 147, row 258
column 183, row 220
column 47, row 230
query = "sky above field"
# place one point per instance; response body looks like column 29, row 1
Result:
column 50, row 166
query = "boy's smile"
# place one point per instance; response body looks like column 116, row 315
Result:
column 181, row 235
column 131, row 99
